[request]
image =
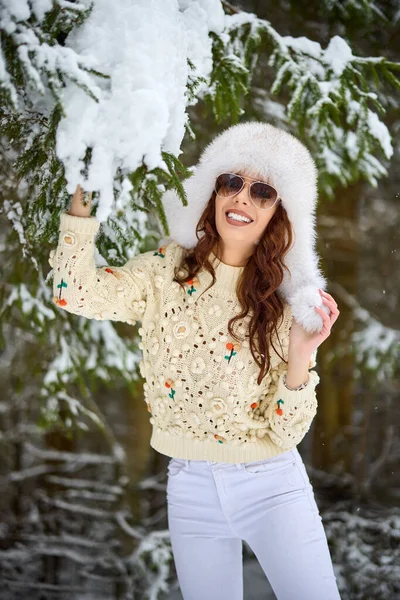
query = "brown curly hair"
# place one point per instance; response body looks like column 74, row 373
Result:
column 256, row 286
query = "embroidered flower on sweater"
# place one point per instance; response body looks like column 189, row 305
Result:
column 192, row 283
column 169, row 385
column 57, row 299
column 160, row 252
column 233, row 349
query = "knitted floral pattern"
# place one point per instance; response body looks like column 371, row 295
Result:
column 200, row 384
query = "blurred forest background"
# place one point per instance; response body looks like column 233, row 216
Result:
column 82, row 493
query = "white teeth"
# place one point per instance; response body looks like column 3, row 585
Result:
column 239, row 218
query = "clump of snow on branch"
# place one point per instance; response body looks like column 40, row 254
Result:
column 144, row 48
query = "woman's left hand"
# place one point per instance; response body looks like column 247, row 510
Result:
column 306, row 343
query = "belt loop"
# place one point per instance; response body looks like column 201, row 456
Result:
column 187, row 462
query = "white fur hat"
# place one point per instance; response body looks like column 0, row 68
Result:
column 276, row 156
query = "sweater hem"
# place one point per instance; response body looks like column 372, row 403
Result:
column 179, row 447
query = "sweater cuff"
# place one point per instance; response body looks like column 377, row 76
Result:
column 75, row 224
column 292, row 401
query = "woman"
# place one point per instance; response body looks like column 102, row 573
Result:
column 226, row 404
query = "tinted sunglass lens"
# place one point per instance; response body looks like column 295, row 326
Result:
column 263, row 195
column 228, row 184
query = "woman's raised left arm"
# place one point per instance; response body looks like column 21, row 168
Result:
column 292, row 411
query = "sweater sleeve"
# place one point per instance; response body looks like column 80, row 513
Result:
column 291, row 413
column 101, row 293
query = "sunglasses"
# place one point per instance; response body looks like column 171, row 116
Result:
column 262, row 194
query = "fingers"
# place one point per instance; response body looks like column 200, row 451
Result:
column 325, row 318
column 332, row 305
column 330, row 302
column 328, row 296
column 81, row 194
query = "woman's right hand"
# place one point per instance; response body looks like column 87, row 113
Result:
column 78, row 207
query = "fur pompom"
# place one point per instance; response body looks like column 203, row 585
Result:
column 302, row 304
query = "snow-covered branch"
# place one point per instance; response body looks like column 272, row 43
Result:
column 329, row 104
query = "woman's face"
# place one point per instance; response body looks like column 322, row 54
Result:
column 241, row 236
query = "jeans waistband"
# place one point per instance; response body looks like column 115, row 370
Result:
column 213, row 464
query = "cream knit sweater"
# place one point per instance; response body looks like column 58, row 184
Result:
column 200, row 385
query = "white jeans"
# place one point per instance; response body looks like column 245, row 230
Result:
column 270, row 504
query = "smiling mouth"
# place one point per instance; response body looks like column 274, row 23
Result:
column 236, row 221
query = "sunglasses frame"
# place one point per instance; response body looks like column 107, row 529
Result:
column 278, row 198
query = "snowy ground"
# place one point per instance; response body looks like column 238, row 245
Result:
column 256, row 585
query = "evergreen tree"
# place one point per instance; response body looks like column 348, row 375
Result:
column 75, row 107
column 333, row 101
